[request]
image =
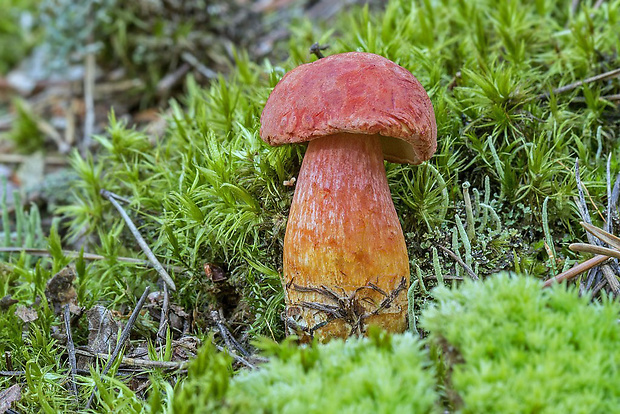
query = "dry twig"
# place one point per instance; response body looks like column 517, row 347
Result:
column 111, row 197
column 89, row 101
column 71, row 350
column 229, row 339
column 163, row 320
column 576, row 270
column 457, row 259
column 72, row 254
column 236, row 357
column 135, row 362
column 121, row 341
column 192, row 60
column 603, row 76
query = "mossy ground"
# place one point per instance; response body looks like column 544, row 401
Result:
column 210, row 191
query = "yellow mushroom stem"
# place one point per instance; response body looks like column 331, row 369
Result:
column 345, row 258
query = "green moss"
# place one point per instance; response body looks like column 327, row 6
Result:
column 16, row 35
column 24, row 131
column 381, row 374
column 514, row 348
column 211, row 191
column 508, row 345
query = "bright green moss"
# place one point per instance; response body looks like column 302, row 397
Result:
column 210, row 191
column 380, row 374
column 515, row 348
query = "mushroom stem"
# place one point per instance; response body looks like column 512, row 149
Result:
column 345, row 258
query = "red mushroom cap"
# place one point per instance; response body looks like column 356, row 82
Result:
column 354, row 92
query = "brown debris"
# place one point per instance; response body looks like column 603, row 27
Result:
column 59, row 291
column 26, row 314
column 214, row 272
column 6, row 302
column 9, row 396
column 177, row 317
column 102, row 331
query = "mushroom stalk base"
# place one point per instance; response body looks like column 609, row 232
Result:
column 345, row 258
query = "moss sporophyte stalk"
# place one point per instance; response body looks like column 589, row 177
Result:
column 345, row 258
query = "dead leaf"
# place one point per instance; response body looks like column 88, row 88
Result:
column 155, row 297
column 6, row 302
column 185, row 348
column 102, row 329
column 9, row 396
column 177, row 317
column 26, row 314
column 214, row 272
column 102, row 332
column 60, row 291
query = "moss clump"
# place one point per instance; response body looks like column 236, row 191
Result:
column 16, row 34
column 380, row 374
column 511, row 347
column 210, row 191
column 514, row 348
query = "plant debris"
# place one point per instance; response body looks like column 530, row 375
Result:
column 103, row 329
column 59, row 291
column 26, row 314
column 9, row 396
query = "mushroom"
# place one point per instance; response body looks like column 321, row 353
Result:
column 345, row 259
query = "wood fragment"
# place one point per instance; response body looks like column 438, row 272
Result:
column 167, row 82
column 236, row 357
column 229, row 339
column 136, row 362
column 21, row 158
column 163, row 320
column 204, row 71
column 89, row 102
column 72, row 254
column 12, row 373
